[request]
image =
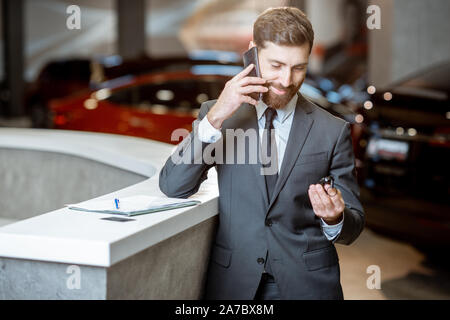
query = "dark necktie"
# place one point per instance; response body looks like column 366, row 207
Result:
column 270, row 157
column 269, row 152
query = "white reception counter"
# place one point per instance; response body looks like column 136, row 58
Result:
column 82, row 238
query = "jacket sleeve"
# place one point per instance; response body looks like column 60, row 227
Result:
column 344, row 172
column 186, row 169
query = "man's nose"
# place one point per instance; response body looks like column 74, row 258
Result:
column 285, row 78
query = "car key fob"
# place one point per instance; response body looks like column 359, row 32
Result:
column 327, row 180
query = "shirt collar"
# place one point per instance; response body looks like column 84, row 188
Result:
column 282, row 114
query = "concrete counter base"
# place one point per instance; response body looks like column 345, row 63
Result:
column 172, row 269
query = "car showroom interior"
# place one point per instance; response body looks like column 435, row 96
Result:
column 94, row 95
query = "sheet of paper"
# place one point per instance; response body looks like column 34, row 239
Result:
column 137, row 203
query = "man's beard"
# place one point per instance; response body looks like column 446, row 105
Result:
column 275, row 101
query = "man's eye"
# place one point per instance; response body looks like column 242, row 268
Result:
column 299, row 68
column 275, row 66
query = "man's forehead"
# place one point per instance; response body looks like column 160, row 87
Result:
column 286, row 54
column 277, row 46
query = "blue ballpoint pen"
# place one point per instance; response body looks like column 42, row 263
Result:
column 117, row 203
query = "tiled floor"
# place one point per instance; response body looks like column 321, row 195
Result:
column 405, row 272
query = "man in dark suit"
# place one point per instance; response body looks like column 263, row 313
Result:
column 277, row 225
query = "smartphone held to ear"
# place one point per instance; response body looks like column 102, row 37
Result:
column 251, row 57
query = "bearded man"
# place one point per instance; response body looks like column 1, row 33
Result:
column 277, row 230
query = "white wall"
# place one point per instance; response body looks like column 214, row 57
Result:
column 422, row 30
column 412, row 38
column 163, row 22
column 47, row 36
column 327, row 19
column 380, row 46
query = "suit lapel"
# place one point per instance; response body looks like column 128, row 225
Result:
column 301, row 126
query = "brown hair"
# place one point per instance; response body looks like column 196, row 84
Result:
column 283, row 26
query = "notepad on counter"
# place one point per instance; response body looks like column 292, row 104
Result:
column 133, row 205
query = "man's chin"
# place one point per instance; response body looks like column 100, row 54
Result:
column 277, row 101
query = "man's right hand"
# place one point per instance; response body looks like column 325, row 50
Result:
column 233, row 95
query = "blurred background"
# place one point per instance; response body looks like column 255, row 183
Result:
column 143, row 67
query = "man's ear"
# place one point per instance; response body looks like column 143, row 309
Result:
column 251, row 45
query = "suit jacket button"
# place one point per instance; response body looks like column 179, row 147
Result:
column 269, row 222
column 260, row 260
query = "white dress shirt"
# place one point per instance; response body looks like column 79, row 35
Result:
column 282, row 124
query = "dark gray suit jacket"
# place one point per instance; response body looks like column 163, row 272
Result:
column 303, row 261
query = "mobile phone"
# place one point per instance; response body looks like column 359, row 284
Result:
column 251, row 56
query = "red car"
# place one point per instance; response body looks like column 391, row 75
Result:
column 61, row 78
column 150, row 106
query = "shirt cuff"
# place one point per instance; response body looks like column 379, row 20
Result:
column 332, row 231
column 207, row 133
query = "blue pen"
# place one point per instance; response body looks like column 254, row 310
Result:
column 117, row 203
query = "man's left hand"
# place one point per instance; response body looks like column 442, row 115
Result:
column 327, row 203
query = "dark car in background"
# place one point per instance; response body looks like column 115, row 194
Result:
column 57, row 79
column 407, row 160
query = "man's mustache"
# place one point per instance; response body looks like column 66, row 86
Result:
column 280, row 87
